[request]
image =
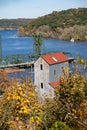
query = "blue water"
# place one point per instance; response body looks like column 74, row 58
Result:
column 27, row 73
column 13, row 44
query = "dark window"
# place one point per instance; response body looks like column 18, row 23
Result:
column 54, row 72
column 41, row 67
column 41, row 85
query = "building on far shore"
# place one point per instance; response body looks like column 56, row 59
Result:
column 47, row 70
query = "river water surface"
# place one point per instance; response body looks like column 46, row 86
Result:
column 13, row 44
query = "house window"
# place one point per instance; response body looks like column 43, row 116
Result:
column 41, row 85
column 41, row 67
column 54, row 72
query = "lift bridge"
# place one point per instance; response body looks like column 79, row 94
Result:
column 20, row 60
column 25, row 60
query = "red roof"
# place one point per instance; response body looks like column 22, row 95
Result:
column 54, row 84
column 55, row 58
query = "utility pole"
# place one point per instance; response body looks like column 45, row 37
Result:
column 0, row 47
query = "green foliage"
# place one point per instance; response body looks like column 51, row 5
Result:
column 66, row 18
column 18, row 61
column 38, row 45
column 51, row 114
column 13, row 23
column 64, row 25
column 58, row 125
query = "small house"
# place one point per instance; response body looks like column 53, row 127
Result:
column 47, row 70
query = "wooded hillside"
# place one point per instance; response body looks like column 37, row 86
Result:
column 12, row 23
column 60, row 25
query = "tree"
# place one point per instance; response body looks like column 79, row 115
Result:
column 19, row 108
column 81, row 61
column 38, row 45
column 50, row 115
column 4, row 81
column 69, row 105
column 72, row 96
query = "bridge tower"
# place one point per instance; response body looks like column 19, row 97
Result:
column 0, row 47
column 38, row 46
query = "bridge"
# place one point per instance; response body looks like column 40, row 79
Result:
column 23, row 60
column 17, row 60
column 26, row 59
column 17, row 65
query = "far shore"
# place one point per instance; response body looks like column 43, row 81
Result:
column 13, row 70
column 9, row 28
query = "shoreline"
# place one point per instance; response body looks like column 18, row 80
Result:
column 1, row 29
column 45, row 37
column 13, row 70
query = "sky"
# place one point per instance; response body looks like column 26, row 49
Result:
column 36, row 8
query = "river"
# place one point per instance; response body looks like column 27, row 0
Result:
column 13, row 44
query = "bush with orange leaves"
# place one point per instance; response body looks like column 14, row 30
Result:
column 19, row 109
column 4, row 81
column 73, row 100
column 69, row 107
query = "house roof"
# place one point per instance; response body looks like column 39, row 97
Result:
column 55, row 58
column 54, row 84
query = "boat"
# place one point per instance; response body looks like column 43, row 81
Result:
column 72, row 40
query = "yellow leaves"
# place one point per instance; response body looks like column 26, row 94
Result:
column 18, row 97
column 24, row 110
column 31, row 120
column 32, row 94
column 20, row 101
column 14, row 97
column 27, row 101
column 17, row 125
column 84, row 103
column 81, row 113
column 83, row 108
column 36, row 111
column 82, row 61
column 19, row 88
column 35, row 119
column 38, row 119
column 74, row 111
column 8, row 96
